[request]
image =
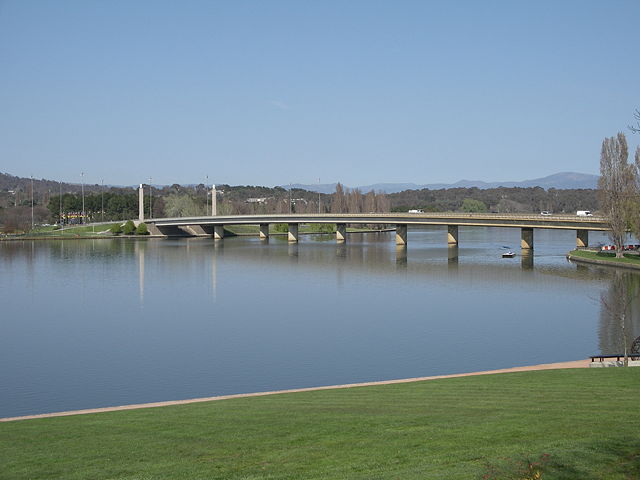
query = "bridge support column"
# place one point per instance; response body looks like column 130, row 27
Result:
column 195, row 230
column 582, row 238
column 293, row 232
column 218, row 232
column 401, row 234
column 264, row 231
column 341, row 232
column 526, row 239
column 452, row 235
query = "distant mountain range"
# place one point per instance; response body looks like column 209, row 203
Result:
column 563, row 180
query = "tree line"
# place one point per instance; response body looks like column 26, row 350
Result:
column 495, row 200
column 121, row 204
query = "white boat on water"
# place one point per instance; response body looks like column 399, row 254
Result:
column 508, row 254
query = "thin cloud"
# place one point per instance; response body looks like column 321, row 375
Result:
column 280, row 105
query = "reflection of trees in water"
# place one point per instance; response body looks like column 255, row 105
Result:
column 622, row 299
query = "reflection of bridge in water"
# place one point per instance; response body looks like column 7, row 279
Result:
column 214, row 226
column 365, row 255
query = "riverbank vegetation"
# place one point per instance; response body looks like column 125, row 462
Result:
column 618, row 192
column 627, row 259
column 95, row 230
column 64, row 203
column 560, row 424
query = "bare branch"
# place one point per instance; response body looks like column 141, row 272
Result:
column 636, row 129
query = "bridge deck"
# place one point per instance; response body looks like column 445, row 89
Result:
column 564, row 222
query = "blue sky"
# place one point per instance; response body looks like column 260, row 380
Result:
column 278, row 92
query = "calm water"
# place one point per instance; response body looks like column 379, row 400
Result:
column 93, row 323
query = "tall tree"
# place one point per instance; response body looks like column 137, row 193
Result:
column 354, row 201
column 370, row 202
column 339, row 204
column 617, row 188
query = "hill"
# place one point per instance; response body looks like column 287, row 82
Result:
column 561, row 181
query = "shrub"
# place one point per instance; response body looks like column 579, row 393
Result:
column 129, row 228
column 142, row 229
column 326, row 228
column 116, row 229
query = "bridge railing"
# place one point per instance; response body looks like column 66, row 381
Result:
column 396, row 215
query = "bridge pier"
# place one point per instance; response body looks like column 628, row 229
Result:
column 452, row 235
column 293, row 233
column 196, row 230
column 218, row 232
column 341, row 232
column 401, row 234
column 526, row 239
column 264, row 231
column 582, row 238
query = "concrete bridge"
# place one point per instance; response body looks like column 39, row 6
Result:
column 214, row 225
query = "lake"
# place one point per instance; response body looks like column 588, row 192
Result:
column 94, row 323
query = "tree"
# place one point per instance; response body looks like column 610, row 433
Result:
column 182, row 206
column 116, row 229
column 142, row 229
column 354, row 201
column 473, row 206
column 129, row 228
column 617, row 188
column 339, row 204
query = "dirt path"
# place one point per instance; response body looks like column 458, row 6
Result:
column 544, row 366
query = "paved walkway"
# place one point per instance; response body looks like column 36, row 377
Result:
column 544, row 366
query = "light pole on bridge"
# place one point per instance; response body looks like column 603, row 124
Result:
column 82, row 177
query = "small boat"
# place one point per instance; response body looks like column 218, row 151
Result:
column 508, row 254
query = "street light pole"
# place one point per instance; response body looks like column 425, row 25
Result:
column 150, row 199
column 206, row 195
column 82, row 176
column 102, row 208
column 318, row 195
column 60, row 185
column 290, row 198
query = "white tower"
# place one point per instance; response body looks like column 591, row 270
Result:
column 141, row 203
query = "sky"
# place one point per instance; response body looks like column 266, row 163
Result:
column 278, row 92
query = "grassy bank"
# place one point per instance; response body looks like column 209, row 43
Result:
column 629, row 259
column 53, row 231
column 576, row 423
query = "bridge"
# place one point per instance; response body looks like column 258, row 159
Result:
column 214, row 225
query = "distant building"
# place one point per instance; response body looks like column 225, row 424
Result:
column 257, row 200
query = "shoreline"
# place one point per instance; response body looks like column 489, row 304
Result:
column 604, row 263
column 544, row 366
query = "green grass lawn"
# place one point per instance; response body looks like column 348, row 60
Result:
column 629, row 258
column 581, row 424
column 81, row 230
